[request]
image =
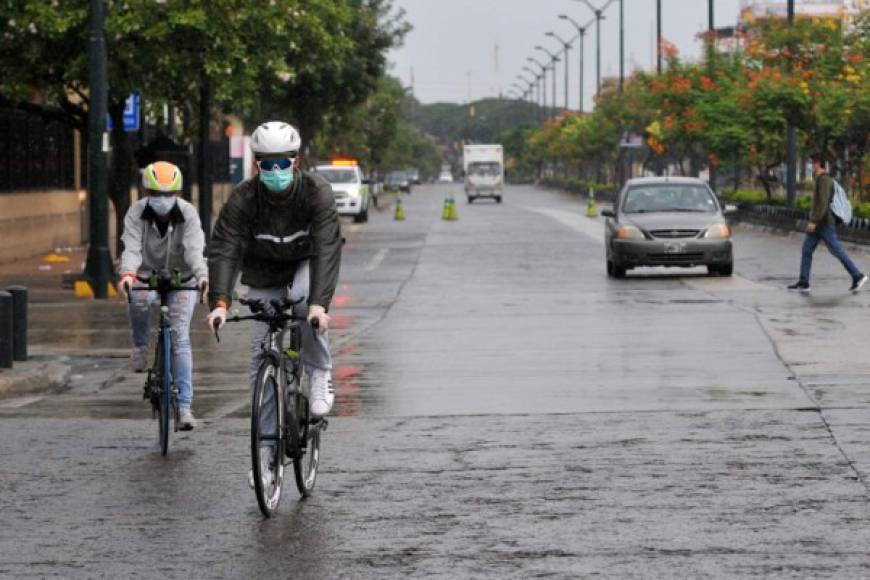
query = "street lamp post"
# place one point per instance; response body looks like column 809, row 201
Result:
column 599, row 16
column 535, row 82
column 555, row 59
column 543, row 77
column 659, row 36
column 581, row 30
column 791, row 142
column 98, row 266
column 567, row 46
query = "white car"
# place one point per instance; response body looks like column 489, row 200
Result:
column 445, row 177
column 350, row 188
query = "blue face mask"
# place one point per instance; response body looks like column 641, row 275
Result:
column 161, row 205
column 277, row 180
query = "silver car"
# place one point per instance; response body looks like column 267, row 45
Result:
column 667, row 221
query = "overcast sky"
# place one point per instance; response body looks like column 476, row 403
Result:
column 488, row 41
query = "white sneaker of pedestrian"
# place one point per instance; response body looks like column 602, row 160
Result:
column 139, row 359
column 322, row 393
column 267, row 455
column 186, row 420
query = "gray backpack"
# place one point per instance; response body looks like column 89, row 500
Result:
column 840, row 205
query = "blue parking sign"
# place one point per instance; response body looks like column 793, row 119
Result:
column 131, row 114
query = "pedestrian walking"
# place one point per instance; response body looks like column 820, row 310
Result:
column 822, row 226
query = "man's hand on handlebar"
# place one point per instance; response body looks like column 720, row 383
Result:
column 202, row 284
column 217, row 318
column 318, row 318
column 125, row 285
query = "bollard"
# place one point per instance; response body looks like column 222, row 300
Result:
column 5, row 330
column 19, row 322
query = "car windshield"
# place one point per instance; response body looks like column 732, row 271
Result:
column 668, row 197
column 488, row 169
column 395, row 177
column 338, row 175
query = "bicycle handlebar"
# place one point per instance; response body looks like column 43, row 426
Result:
column 278, row 313
column 162, row 282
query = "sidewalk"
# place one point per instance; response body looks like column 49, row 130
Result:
column 47, row 369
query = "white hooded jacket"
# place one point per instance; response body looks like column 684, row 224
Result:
column 145, row 249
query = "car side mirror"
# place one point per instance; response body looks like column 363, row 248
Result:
column 608, row 213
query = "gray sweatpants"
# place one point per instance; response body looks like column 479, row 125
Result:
column 315, row 347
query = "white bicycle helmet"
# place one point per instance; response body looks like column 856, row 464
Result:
column 275, row 138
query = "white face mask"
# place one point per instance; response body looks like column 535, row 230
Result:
column 161, row 205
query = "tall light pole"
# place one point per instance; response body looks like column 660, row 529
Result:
column 543, row 76
column 659, row 36
column 599, row 16
column 98, row 267
column 535, row 82
column 791, row 140
column 567, row 46
column 529, row 87
column 555, row 58
column 581, row 30
column 711, row 32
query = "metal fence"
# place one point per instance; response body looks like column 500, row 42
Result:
column 36, row 153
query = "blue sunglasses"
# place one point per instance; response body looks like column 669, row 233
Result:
column 272, row 164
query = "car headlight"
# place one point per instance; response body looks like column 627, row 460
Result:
column 353, row 192
column 718, row 232
column 629, row 233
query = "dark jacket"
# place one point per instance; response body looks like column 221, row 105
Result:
column 821, row 213
column 267, row 238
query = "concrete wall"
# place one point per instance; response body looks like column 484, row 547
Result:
column 37, row 222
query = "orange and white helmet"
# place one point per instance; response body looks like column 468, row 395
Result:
column 162, row 176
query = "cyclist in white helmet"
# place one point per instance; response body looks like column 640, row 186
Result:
column 148, row 239
column 281, row 228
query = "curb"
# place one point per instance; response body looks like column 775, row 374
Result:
column 34, row 376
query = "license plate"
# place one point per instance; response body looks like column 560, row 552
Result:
column 675, row 247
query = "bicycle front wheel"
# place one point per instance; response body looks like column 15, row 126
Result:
column 267, row 447
column 164, row 389
column 305, row 462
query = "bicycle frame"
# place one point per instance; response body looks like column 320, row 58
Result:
column 163, row 283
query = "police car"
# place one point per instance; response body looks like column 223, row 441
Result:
column 351, row 189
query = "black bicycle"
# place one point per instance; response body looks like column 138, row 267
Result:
column 293, row 434
column 160, row 388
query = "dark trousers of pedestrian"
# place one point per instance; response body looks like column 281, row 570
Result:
column 827, row 234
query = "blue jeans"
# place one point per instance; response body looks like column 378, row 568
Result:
column 827, row 234
column 181, row 305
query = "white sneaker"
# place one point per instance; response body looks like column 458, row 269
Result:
column 139, row 359
column 186, row 421
column 322, row 393
column 266, row 460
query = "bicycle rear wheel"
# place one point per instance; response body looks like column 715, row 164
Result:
column 267, row 446
column 306, row 460
column 164, row 378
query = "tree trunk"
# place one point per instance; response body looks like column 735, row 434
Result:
column 762, row 177
column 121, row 171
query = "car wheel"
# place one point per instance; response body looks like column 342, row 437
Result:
column 470, row 199
column 362, row 217
column 498, row 199
column 618, row 271
column 610, row 268
column 726, row 269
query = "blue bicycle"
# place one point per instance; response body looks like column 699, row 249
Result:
column 160, row 389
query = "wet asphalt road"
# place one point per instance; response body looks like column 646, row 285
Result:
column 504, row 410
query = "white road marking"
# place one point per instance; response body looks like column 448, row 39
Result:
column 19, row 402
column 376, row 261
